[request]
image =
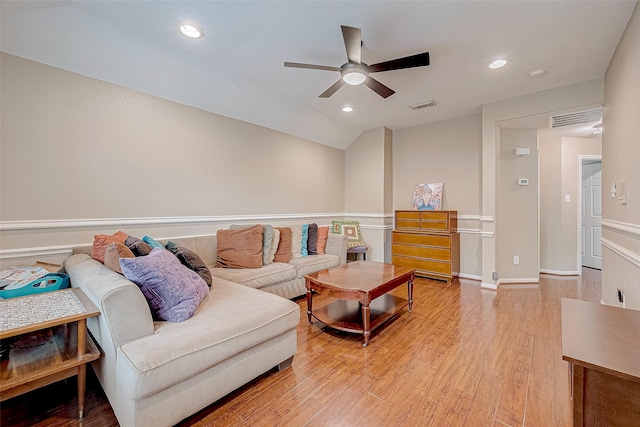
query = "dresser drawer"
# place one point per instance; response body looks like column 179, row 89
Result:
column 423, row 266
column 441, row 254
column 442, row 241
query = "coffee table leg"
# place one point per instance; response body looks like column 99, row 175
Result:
column 410, row 290
column 366, row 324
column 309, row 302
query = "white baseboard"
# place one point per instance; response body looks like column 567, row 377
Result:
column 559, row 272
column 518, row 281
column 469, row 276
column 491, row 286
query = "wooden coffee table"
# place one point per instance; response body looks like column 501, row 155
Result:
column 360, row 290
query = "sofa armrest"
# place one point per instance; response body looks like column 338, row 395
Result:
column 337, row 245
column 124, row 312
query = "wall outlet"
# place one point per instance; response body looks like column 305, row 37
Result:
column 494, row 275
column 516, row 259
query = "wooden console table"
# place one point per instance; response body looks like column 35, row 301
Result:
column 49, row 341
column 602, row 345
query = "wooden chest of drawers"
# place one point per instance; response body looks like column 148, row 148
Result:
column 427, row 241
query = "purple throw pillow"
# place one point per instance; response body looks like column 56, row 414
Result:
column 172, row 290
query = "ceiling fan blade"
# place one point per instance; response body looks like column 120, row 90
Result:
column 353, row 43
column 419, row 60
column 333, row 89
column 311, row 66
column 378, row 87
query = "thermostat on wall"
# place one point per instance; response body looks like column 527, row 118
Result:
column 523, row 181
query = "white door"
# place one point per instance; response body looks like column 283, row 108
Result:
column 591, row 214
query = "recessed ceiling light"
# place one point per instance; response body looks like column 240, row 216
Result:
column 498, row 63
column 190, row 30
column 537, row 73
column 347, row 109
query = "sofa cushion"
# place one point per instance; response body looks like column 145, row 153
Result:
column 152, row 242
column 113, row 253
column 304, row 241
column 101, row 241
column 267, row 239
column 137, row 246
column 312, row 241
column 240, row 247
column 311, row 264
column 283, row 254
column 274, row 246
column 351, row 229
column 323, row 233
column 190, row 259
column 257, row 278
column 218, row 331
column 296, row 240
column 173, row 291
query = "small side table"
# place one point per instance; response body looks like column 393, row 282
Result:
column 358, row 250
column 62, row 348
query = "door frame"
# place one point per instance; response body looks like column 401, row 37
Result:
column 581, row 160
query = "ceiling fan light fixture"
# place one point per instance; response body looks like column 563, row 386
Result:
column 354, row 74
column 191, row 30
column 354, row 78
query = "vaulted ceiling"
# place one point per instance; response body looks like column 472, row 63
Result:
column 236, row 69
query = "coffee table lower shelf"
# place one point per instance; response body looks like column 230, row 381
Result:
column 346, row 315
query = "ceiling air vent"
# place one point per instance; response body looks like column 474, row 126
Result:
column 424, row 104
column 576, row 118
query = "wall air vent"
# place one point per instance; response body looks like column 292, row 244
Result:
column 424, row 104
column 576, row 118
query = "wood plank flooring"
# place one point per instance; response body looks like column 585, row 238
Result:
column 463, row 357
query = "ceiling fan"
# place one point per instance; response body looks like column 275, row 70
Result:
column 356, row 72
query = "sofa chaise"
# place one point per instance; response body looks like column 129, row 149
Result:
column 158, row 373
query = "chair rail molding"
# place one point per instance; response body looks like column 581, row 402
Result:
column 621, row 226
column 118, row 222
column 620, row 251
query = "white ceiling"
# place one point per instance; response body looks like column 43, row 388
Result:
column 237, row 70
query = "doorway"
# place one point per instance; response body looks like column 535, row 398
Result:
column 590, row 212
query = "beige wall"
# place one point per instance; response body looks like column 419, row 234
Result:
column 552, row 250
column 559, row 220
column 517, row 210
column 447, row 152
column 620, row 161
column 580, row 95
column 75, row 148
column 368, row 178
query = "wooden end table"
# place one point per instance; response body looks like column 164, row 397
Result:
column 361, row 292
column 57, row 323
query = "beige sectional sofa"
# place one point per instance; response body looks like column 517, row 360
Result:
column 157, row 373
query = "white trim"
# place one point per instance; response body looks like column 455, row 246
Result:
column 559, row 272
column 488, row 234
column 621, row 226
column 37, row 251
column 493, row 287
column 623, row 252
column 119, row 222
column 518, row 281
column 368, row 215
column 487, row 218
column 376, row 227
column 470, row 277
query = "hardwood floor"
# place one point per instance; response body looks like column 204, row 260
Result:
column 463, row 357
